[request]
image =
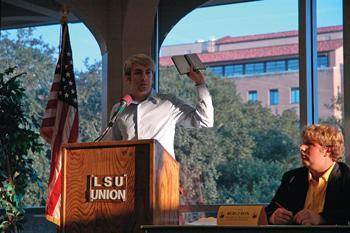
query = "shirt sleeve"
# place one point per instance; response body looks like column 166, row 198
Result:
column 202, row 116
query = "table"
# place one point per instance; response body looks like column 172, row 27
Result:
column 244, row 229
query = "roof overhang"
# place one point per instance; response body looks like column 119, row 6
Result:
column 30, row 13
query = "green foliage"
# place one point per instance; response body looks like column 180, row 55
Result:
column 17, row 137
column 337, row 104
column 89, row 89
column 38, row 59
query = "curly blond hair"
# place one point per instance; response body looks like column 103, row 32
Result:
column 326, row 135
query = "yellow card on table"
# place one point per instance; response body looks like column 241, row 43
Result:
column 244, row 215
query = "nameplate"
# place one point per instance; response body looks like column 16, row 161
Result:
column 110, row 188
column 244, row 215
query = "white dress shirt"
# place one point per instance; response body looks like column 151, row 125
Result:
column 157, row 116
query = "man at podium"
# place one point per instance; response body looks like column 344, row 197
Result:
column 155, row 116
column 317, row 193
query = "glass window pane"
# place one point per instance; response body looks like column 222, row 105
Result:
column 254, row 68
column 293, row 64
column 274, row 99
column 233, row 70
column 253, row 96
column 322, row 61
column 275, row 66
column 248, row 128
column 295, row 97
column 229, row 71
column 217, row 70
column 330, row 61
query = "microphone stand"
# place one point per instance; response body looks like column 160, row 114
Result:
column 125, row 102
column 110, row 124
column 99, row 138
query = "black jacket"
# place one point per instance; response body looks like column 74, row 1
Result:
column 291, row 194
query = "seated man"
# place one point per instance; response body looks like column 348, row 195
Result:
column 318, row 192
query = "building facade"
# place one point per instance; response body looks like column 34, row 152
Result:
column 265, row 67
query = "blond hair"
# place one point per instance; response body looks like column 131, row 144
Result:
column 326, row 135
column 140, row 59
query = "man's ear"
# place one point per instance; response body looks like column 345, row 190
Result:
column 328, row 151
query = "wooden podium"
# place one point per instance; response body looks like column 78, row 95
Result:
column 116, row 186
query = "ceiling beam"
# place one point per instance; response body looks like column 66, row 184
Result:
column 34, row 8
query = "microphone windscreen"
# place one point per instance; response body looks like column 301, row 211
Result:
column 127, row 99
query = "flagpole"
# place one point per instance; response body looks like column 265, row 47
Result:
column 65, row 12
column 64, row 20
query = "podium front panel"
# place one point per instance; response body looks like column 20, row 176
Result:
column 116, row 187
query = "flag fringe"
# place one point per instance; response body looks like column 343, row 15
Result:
column 53, row 219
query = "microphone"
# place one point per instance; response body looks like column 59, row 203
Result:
column 124, row 102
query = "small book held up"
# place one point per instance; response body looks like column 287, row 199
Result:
column 184, row 62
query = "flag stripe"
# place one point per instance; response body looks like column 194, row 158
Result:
column 49, row 121
column 54, row 195
column 51, row 105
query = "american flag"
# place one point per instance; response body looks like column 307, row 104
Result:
column 60, row 122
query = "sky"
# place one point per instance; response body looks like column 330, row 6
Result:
column 207, row 23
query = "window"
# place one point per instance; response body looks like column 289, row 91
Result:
column 295, row 97
column 265, row 67
column 254, row 68
column 253, row 96
column 233, row 70
column 293, row 64
column 322, row 61
column 236, row 97
column 273, row 97
column 275, row 66
column 217, row 70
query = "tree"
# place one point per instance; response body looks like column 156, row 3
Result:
column 337, row 103
column 89, row 89
column 33, row 56
column 17, row 137
column 38, row 60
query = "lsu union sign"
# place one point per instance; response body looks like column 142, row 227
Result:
column 106, row 188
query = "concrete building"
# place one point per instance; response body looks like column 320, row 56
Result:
column 265, row 67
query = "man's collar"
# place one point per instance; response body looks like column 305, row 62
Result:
column 152, row 96
column 325, row 175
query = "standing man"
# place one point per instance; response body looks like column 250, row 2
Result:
column 155, row 116
column 319, row 192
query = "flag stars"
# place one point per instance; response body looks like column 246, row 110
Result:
column 69, row 54
column 68, row 74
column 72, row 91
column 66, row 95
column 70, row 83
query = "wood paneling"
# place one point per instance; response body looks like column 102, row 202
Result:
column 152, row 186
